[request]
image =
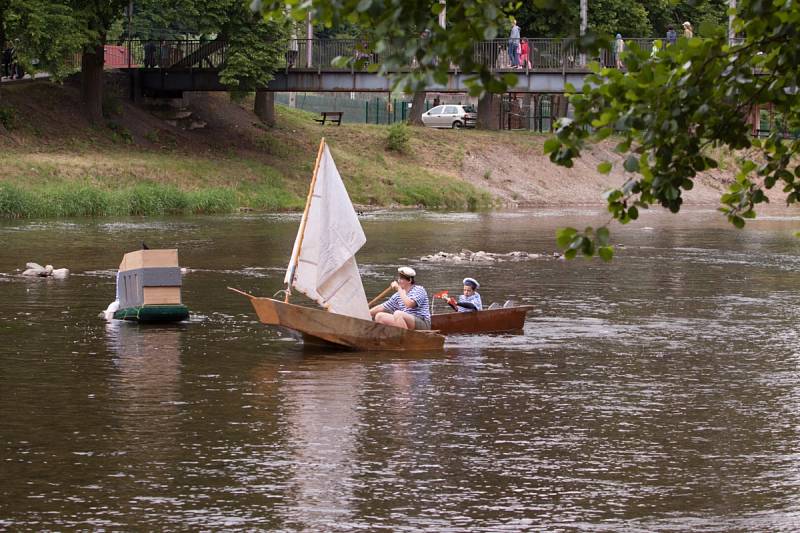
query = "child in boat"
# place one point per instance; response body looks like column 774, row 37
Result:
column 470, row 300
column 408, row 308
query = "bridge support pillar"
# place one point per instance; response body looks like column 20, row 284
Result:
column 264, row 107
column 489, row 112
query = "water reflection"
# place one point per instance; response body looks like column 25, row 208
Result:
column 146, row 384
column 322, row 414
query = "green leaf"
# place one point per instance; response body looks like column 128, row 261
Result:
column 551, row 145
column 631, row 163
column 606, row 253
column 564, row 236
column 604, row 167
column 602, row 236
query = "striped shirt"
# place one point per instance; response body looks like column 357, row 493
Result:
column 475, row 300
column 416, row 293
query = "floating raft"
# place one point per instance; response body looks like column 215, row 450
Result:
column 149, row 287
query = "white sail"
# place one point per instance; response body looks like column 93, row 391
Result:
column 328, row 239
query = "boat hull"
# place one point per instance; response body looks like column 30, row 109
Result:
column 153, row 313
column 487, row 321
column 341, row 330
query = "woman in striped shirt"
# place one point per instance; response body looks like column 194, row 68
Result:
column 408, row 308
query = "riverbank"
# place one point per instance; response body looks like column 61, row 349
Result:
column 217, row 157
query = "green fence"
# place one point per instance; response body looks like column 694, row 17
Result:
column 373, row 110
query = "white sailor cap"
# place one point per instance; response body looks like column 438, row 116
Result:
column 407, row 272
column 471, row 281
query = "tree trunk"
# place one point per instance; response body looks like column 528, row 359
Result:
column 417, row 109
column 92, row 82
column 264, row 107
column 488, row 112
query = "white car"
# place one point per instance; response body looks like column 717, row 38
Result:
column 450, row 116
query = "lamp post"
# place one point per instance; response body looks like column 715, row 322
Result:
column 310, row 37
column 584, row 24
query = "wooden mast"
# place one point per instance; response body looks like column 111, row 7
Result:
column 296, row 258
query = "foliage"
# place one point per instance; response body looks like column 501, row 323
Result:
column 562, row 19
column 404, row 33
column 671, row 110
column 398, row 138
column 8, row 117
column 407, row 32
column 45, row 33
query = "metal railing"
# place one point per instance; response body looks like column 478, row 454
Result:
column 319, row 54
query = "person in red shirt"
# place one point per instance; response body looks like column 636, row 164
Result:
column 524, row 55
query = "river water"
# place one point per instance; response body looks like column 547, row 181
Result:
column 659, row 392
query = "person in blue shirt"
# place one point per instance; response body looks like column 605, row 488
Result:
column 408, row 308
column 470, row 300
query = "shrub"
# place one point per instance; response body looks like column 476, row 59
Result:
column 74, row 201
column 112, row 107
column 8, row 117
column 212, row 201
column 120, row 133
column 398, row 139
column 150, row 199
column 14, row 202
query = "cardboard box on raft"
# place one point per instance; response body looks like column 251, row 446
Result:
column 149, row 259
column 161, row 295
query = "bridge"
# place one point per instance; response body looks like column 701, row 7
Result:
column 169, row 68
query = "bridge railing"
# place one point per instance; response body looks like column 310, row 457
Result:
column 318, row 54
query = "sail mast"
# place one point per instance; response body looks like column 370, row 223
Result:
column 296, row 257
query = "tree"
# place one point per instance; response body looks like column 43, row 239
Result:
column 44, row 33
column 672, row 110
column 255, row 47
column 669, row 110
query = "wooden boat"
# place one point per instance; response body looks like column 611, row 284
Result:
column 323, row 267
column 486, row 321
column 331, row 328
column 149, row 287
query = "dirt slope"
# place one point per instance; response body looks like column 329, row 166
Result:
column 509, row 165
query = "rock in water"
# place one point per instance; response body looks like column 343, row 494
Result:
column 60, row 273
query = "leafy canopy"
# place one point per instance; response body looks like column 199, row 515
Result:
column 673, row 109
column 670, row 109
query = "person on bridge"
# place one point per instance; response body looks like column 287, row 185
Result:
column 672, row 36
column 688, row 32
column 619, row 47
column 513, row 44
column 408, row 308
column 525, row 55
column 8, row 59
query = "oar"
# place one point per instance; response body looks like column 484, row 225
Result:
column 241, row 292
column 381, row 295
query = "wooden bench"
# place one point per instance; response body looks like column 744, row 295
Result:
column 331, row 116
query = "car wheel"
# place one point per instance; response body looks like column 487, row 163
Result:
column 457, row 124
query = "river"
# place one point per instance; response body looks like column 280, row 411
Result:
column 659, row 392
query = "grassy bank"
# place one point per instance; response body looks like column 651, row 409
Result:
column 75, row 200
column 56, row 165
